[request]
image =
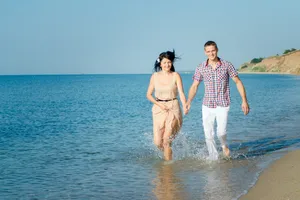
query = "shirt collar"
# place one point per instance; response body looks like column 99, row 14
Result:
column 218, row 63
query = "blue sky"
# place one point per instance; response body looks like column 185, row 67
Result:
column 126, row 36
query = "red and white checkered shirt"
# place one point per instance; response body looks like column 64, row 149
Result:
column 216, row 82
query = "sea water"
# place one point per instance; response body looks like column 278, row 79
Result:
column 90, row 137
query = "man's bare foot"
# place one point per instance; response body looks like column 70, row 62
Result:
column 226, row 151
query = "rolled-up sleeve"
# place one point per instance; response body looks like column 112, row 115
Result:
column 197, row 75
column 231, row 70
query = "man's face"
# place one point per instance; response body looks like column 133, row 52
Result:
column 211, row 52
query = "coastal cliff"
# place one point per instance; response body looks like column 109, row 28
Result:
column 288, row 63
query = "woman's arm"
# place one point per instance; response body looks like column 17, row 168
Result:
column 180, row 90
column 150, row 92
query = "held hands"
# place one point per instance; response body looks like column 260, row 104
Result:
column 186, row 107
column 245, row 108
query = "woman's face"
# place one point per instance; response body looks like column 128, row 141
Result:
column 166, row 64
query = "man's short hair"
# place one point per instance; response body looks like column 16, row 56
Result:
column 210, row 43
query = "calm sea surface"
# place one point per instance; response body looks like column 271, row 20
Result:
column 90, row 137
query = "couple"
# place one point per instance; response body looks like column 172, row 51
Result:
column 167, row 116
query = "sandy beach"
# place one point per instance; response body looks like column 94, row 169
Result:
column 281, row 181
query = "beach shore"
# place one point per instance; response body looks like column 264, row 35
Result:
column 281, row 181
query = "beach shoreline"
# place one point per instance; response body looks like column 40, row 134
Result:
column 281, row 180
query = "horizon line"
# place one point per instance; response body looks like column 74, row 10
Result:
column 66, row 74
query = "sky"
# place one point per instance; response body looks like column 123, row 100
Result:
column 126, row 36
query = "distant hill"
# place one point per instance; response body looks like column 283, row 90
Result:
column 288, row 63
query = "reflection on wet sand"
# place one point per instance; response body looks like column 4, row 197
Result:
column 217, row 185
column 224, row 179
column 167, row 184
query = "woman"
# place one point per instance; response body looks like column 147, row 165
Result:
column 167, row 116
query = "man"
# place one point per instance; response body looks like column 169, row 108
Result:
column 215, row 73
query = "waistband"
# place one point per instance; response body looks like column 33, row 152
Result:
column 165, row 100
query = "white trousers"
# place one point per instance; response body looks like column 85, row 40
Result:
column 208, row 116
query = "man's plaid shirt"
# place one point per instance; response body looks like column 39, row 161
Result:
column 216, row 82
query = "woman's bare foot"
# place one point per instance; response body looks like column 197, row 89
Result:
column 226, row 151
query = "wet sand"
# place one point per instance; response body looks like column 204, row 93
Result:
column 281, row 181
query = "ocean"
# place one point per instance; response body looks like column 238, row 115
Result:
column 90, row 137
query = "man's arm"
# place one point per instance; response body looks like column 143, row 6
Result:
column 242, row 91
column 192, row 93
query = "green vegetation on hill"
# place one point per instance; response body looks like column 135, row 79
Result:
column 289, row 50
column 259, row 69
column 256, row 60
column 288, row 62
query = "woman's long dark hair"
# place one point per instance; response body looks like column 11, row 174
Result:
column 170, row 55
